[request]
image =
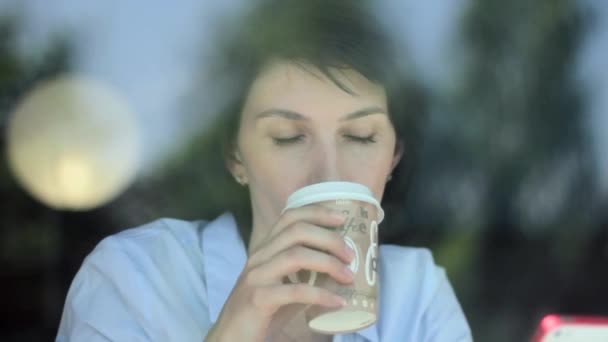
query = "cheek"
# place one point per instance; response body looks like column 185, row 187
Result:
column 369, row 166
column 372, row 172
column 270, row 167
column 272, row 178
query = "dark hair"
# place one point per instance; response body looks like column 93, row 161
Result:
column 330, row 35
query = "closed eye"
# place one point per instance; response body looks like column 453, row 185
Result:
column 363, row 140
column 287, row 141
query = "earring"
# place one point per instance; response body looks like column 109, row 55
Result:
column 388, row 179
column 241, row 180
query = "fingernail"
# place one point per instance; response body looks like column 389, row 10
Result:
column 349, row 252
column 347, row 272
column 339, row 216
column 339, row 301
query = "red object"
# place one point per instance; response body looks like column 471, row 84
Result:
column 552, row 322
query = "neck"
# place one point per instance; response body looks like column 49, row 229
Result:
column 258, row 235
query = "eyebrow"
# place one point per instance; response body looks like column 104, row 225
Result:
column 284, row 113
column 363, row 112
column 291, row 115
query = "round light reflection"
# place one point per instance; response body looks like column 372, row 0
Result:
column 73, row 143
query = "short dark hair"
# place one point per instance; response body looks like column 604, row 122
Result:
column 329, row 35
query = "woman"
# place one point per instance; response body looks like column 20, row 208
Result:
column 316, row 103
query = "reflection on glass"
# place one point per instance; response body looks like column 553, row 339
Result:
column 73, row 143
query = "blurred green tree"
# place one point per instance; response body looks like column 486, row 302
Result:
column 512, row 132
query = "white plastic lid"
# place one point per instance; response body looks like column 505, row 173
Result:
column 329, row 191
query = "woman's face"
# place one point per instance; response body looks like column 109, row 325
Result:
column 299, row 128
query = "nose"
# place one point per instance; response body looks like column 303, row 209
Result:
column 324, row 164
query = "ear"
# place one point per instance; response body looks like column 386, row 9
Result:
column 234, row 163
column 399, row 150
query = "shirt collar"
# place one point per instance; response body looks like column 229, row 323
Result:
column 225, row 256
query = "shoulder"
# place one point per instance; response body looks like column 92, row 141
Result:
column 161, row 231
column 162, row 255
column 141, row 276
column 417, row 300
column 409, row 270
column 158, row 246
column 406, row 256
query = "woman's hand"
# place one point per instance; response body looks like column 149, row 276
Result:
column 297, row 241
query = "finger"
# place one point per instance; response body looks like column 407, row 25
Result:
column 285, row 316
column 271, row 298
column 306, row 234
column 313, row 214
column 301, row 258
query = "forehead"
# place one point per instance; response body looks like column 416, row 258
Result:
column 304, row 88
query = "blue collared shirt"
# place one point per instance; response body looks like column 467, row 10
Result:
column 168, row 281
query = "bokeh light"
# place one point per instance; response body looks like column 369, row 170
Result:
column 73, row 143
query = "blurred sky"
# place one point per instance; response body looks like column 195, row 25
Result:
column 149, row 50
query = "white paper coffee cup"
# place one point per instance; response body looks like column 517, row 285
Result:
column 360, row 232
column 331, row 191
